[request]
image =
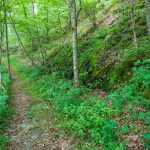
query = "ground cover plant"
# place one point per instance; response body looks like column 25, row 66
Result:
column 5, row 110
column 97, row 121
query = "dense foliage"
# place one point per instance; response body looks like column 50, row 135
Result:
column 92, row 119
column 4, row 108
column 111, row 108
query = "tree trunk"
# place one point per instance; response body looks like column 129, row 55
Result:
column 29, row 29
column 1, row 43
column 135, row 41
column 147, row 2
column 73, row 13
column 6, row 36
column 1, row 31
column 18, row 37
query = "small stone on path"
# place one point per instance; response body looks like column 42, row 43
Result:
column 36, row 133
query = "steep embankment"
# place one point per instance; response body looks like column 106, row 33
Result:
column 106, row 53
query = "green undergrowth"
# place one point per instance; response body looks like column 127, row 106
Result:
column 133, row 98
column 95, row 122
column 5, row 110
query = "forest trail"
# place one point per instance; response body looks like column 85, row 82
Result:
column 25, row 133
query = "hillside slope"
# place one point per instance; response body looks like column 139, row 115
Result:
column 106, row 53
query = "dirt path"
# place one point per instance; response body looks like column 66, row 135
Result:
column 28, row 134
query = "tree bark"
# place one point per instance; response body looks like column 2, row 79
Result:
column 73, row 14
column 47, row 22
column 1, row 43
column 1, row 31
column 6, row 36
column 147, row 2
column 135, row 41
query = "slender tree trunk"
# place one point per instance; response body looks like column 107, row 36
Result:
column 37, row 31
column 14, row 27
column 47, row 22
column 147, row 2
column 1, row 43
column 1, row 79
column 43, row 52
column 6, row 36
column 29, row 29
column 26, row 17
column 73, row 13
column 135, row 41
column 33, row 14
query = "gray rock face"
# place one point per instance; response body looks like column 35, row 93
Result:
column 36, row 133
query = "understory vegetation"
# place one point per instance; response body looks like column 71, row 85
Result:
column 100, row 89
column 96, row 121
column 5, row 111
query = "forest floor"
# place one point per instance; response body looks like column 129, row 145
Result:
column 27, row 133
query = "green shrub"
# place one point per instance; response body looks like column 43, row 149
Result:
column 131, row 94
column 3, row 142
column 4, row 108
column 131, row 91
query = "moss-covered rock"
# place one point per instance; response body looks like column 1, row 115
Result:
column 146, row 93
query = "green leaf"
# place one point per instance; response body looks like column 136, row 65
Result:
column 142, row 115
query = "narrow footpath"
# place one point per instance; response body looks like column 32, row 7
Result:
column 25, row 133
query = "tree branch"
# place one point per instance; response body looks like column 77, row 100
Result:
column 60, row 19
column 79, row 10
